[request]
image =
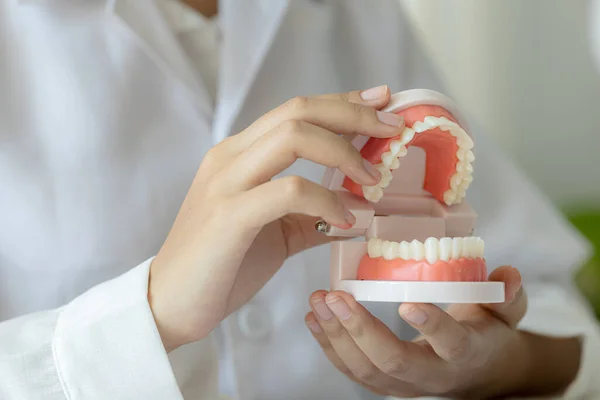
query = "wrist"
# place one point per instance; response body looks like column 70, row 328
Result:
column 175, row 327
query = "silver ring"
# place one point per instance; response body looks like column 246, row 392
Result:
column 322, row 226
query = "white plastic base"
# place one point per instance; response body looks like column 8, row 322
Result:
column 424, row 292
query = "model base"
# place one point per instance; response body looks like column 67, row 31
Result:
column 423, row 292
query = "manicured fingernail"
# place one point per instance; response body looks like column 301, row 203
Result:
column 349, row 217
column 415, row 316
column 314, row 326
column 339, row 307
column 366, row 174
column 374, row 93
column 390, row 119
column 370, row 168
column 513, row 293
column 322, row 310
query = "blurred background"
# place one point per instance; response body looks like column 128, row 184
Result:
column 536, row 90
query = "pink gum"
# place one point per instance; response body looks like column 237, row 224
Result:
column 461, row 270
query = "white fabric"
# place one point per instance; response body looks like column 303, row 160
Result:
column 201, row 39
column 102, row 126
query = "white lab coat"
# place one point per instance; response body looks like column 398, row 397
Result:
column 103, row 123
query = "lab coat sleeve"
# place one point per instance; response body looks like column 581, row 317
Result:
column 102, row 345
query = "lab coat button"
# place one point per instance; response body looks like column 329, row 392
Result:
column 253, row 322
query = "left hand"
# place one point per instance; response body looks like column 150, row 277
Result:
column 471, row 351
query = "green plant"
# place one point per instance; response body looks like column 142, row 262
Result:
column 588, row 277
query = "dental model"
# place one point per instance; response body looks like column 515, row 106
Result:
column 417, row 227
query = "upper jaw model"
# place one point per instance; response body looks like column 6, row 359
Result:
column 417, row 226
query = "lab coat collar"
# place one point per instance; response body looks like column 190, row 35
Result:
column 249, row 28
column 146, row 21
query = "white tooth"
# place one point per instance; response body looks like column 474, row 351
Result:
column 432, row 250
column 407, row 135
column 387, row 250
column 395, row 163
column 374, row 248
column 461, row 154
column 395, row 147
column 417, row 250
column 464, row 168
column 469, row 247
column 466, row 248
column 475, row 247
column 466, row 181
column 480, row 247
column 388, row 158
column 432, row 121
column 404, row 251
column 419, row 127
column 386, row 176
column 403, row 151
column 446, row 127
column 395, row 249
column 449, row 197
column 470, row 157
column 464, row 141
column 457, row 244
column 373, row 193
column 455, row 181
column 445, row 248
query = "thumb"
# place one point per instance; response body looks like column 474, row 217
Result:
column 515, row 305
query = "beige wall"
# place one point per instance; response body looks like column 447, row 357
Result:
column 524, row 68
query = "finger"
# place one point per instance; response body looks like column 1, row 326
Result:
column 449, row 339
column 515, row 306
column 281, row 147
column 345, row 347
column 289, row 195
column 340, row 117
column 404, row 361
column 376, row 97
column 305, row 235
column 319, row 335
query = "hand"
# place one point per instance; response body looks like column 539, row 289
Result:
column 237, row 224
column 472, row 351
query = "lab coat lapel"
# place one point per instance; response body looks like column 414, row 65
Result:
column 249, row 29
column 145, row 20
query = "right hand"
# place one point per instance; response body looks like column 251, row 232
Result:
column 237, row 225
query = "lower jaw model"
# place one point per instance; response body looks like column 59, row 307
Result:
column 415, row 221
column 446, row 259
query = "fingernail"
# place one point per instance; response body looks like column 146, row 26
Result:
column 339, row 307
column 374, row 93
column 349, row 217
column 390, row 119
column 322, row 310
column 370, row 168
column 514, row 292
column 366, row 174
column 415, row 316
column 314, row 326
